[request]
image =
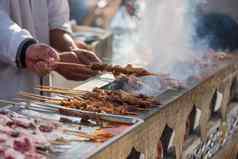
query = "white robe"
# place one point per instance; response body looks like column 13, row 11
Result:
column 21, row 19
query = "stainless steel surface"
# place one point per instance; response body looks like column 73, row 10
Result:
column 76, row 150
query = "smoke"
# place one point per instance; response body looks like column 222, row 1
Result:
column 163, row 41
column 168, row 30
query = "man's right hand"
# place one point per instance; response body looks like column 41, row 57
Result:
column 41, row 58
column 79, row 73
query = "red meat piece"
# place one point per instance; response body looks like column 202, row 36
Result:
column 33, row 155
column 46, row 128
column 9, row 131
column 3, row 138
column 22, row 145
column 21, row 122
column 12, row 154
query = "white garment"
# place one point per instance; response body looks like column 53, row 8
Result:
column 19, row 20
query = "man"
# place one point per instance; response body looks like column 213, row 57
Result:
column 217, row 24
column 27, row 27
column 94, row 12
column 79, row 9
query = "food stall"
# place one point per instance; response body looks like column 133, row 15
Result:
column 196, row 118
column 127, row 112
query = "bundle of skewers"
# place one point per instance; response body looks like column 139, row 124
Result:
column 116, row 70
column 99, row 100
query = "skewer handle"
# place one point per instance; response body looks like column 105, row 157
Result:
column 71, row 64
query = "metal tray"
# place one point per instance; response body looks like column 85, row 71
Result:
column 76, row 150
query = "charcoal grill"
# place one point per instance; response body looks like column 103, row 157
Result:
column 211, row 133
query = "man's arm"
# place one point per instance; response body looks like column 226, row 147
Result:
column 19, row 48
column 60, row 31
column 59, row 25
column 62, row 41
column 12, row 39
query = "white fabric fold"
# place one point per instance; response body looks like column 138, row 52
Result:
column 20, row 20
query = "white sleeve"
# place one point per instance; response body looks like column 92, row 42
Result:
column 59, row 15
column 11, row 37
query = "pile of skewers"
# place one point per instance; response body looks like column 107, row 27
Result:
column 99, row 100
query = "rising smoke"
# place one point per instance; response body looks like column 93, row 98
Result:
column 163, row 40
column 168, row 30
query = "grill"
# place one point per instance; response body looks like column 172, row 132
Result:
column 197, row 118
column 193, row 122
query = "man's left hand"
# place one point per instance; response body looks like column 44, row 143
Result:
column 86, row 57
column 78, row 56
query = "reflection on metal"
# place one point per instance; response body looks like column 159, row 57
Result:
column 193, row 123
column 166, row 141
column 234, row 90
column 218, row 101
column 197, row 119
column 216, row 104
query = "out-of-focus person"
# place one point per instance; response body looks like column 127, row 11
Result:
column 33, row 35
column 94, row 12
column 79, row 9
column 217, row 24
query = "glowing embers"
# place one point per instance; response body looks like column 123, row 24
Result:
column 165, row 147
column 216, row 104
column 193, row 123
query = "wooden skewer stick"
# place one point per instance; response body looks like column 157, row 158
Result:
column 56, row 91
column 49, row 87
column 71, row 64
column 37, row 97
column 61, row 91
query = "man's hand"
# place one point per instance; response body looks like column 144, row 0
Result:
column 86, row 57
column 81, row 72
column 41, row 58
column 64, row 43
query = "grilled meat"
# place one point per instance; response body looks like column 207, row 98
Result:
column 118, row 70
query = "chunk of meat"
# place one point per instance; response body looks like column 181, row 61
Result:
column 4, row 119
column 3, row 138
column 33, row 155
column 12, row 154
column 2, row 151
column 23, row 145
column 9, row 131
column 46, row 128
column 21, row 122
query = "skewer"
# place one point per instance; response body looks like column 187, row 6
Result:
column 90, row 102
column 61, row 90
column 80, row 113
column 26, row 94
column 71, row 64
column 121, row 70
column 8, row 102
column 49, row 87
